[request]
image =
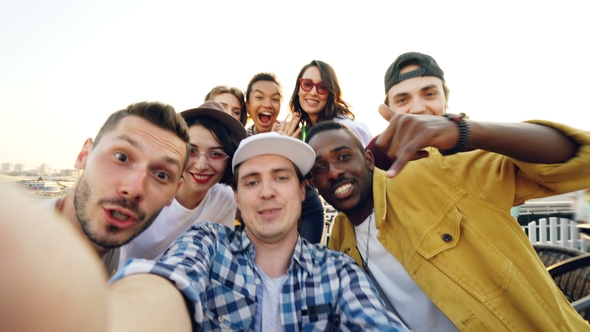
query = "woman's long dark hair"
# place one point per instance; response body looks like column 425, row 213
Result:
column 224, row 136
column 335, row 106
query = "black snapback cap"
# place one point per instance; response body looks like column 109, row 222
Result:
column 428, row 67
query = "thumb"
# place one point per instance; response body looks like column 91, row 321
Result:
column 386, row 112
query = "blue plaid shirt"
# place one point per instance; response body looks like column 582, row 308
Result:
column 214, row 269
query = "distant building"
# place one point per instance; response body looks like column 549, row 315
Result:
column 39, row 185
column 66, row 184
column 44, row 169
column 71, row 172
column 19, row 167
column 7, row 167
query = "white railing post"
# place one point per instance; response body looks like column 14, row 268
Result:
column 553, row 231
column 567, row 236
column 562, row 231
column 573, row 230
column 543, row 230
column 583, row 245
column 532, row 232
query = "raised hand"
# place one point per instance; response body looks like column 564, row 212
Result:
column 385, row 112
column 289, row 127
column 407, row 135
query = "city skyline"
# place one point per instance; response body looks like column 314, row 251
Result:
column 21, row 167
column 68, row 65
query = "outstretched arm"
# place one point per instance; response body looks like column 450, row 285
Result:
column 51, row 279
column 146, row 302
column 528, row 142
column 407, row 135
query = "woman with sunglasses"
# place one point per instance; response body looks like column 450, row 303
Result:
column 317, row 97
column 204, row 194
column 232, row 100
column 263, row 102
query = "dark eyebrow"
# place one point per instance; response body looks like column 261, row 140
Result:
column 135, row 144
column 400, row 94
column 211, row 148
column 130, row 140
column 282, row 169
column 336, row 149
column 173, row 161
column 276, row 93
column 423, row 89
column 247, row 175
column 428, row 87
column 274, row 170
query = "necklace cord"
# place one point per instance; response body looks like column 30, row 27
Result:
column 366, row 261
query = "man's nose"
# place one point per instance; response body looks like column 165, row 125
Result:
column 334, row 172
column 133, row 187
column 418, row 107
column 267, row 190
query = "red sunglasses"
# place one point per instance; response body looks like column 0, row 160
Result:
column 307, row 84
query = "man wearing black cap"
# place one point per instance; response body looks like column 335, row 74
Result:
column 421, row 96
column 414, row 84
column 437, row 237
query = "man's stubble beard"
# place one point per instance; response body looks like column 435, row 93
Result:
column 81, row 200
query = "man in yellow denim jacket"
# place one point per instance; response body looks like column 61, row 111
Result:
column 445, row 221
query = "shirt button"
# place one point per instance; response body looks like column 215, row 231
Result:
column 447, row 237
column 257, row 281
column 221, row 319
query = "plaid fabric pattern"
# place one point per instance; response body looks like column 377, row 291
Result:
column 213, row 267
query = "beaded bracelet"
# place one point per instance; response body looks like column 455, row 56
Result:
column 464, row 134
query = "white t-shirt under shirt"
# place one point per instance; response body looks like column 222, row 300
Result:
column 218, row 206
column 268, row 311
column 409, row 301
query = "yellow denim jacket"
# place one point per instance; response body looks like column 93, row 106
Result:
column 447, row 220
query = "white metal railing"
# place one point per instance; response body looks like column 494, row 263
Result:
column 559, row 232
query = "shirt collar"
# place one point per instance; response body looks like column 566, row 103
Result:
column 301, row 255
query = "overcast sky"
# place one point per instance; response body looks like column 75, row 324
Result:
column 66, row 65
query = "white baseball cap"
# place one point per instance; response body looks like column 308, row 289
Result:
column 297, row 151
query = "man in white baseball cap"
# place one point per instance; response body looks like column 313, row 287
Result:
column 216, row 278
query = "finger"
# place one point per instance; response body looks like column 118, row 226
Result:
column 296, row 133
column 292, row 125
column 288, row 117
column 386, row 112
column 400, row 162
column 401, row 142
column 275, row 126
column 295, row 122
column 387, row 140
